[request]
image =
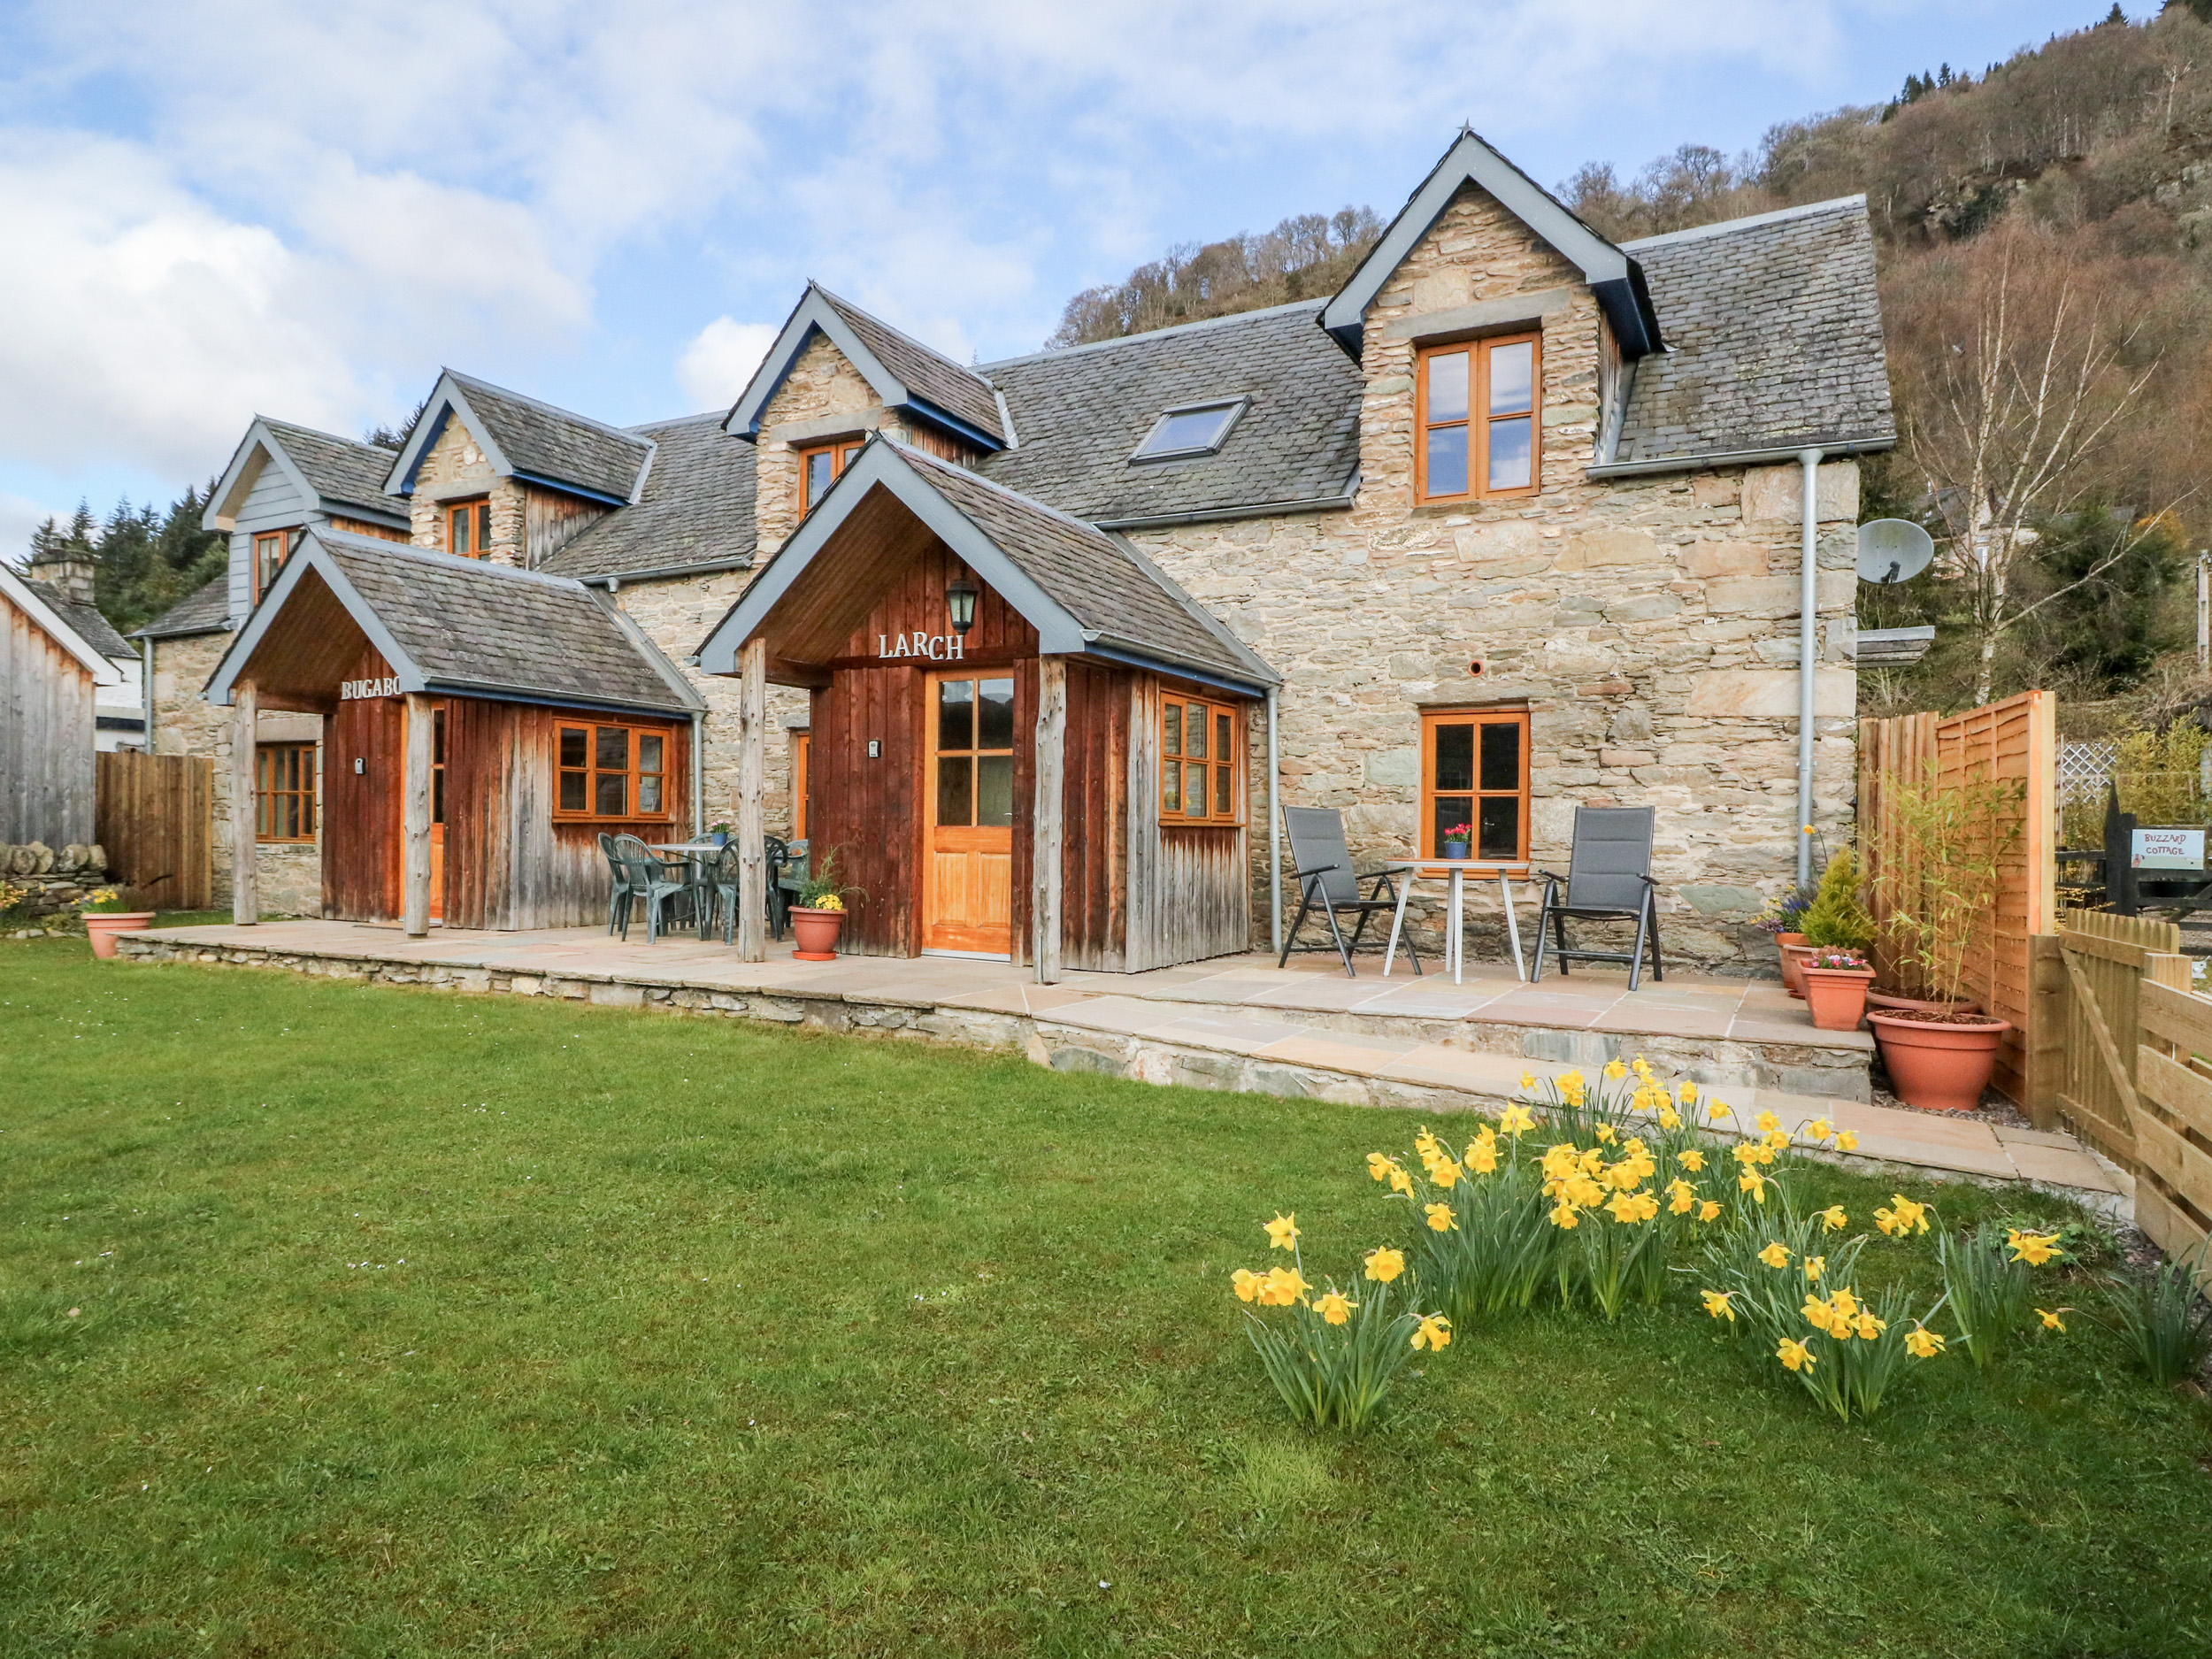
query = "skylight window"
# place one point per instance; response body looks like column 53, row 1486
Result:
column 1192, row 429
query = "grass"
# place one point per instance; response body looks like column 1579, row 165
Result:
column 415, row 1323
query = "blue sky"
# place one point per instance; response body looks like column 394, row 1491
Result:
column 219, row 207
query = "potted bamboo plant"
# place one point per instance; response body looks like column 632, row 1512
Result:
column 1938, row 885
column 1839, row 932
column 819, row 914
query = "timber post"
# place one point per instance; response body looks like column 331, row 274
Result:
column 245, row 893
column 752, row 832
column 421, row 738
column 1045, row 822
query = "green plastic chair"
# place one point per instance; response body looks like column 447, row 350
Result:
column 658, row 885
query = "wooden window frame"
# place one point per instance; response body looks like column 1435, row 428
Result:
column 264, row 581
column 591, row 772
column 841, row 451
column 1176, row 755
column 268, row 791
column 1479, row 420
column 1425, row 825
column 480, row 508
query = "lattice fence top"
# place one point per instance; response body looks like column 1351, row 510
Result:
column 2085, row 767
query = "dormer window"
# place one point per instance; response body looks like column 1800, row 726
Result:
column 820, row 466
column 1476, row 403
column 468, row 528
column 1190, row 429
column 270, row 548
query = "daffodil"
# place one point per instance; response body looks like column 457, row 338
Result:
column 1846, row 1303
column 2051, row 1321
column 1446, row 1173
column 1820, row 1129
column 1282, row 1232
column 1867, row 1326
column 1815, row 1266
column 1751, row 1181
column 1435, row 1333
column 1615, row 1070
column 1717, row 1305
column 2034, row 1249
column 1717, row 1112
column 1689, row 1094
column 1283, row 1285
column 1766, row 1122
column 1380, row 1164
column 1439, row 1217
column 1846, row 1141
column 1772, row 1142
column 1247, row 1283
column 1921, row 1343
column 1482, row 1157
column 1401, row 1182
column 1904, row 1218
column 1746, row 1152
column 1565, row 1215
column 1833, row 1219
column 1670, row 1118
column 1561, row 1161
column 1681, row 1197
column 1774, row 1255
column 1605, row 1132
column 1334, row 1309
column 1384, row 1265
column 1710, row 1211
column 1795, row 1355
column 1691, row 1160
column 1518, row 1119
column 1632, row 1207
column 1821, row 1315
column 1528, row 1080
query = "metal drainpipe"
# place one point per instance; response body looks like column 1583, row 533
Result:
column 1807, row 616
column 1274, row 832
column 146, row 689
column 698, row 778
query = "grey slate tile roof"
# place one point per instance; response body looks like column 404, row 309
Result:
column 555, row 445
column 466, row 624
column 344, row 473
column 696, row 508
column 1101, row 580
column 927, row 375
column 1775, row 337
column 1080, row 414
column 93, row 628
column 206, row 612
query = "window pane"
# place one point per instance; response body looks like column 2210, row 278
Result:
column 1225, row 791
column 610, row 795
column 1191, row 429
column 1455, row 757
column 995, row 791
column 1448, row 385
column 575, row 793
column 650, row 747
column 1224, row 738
column 1194, row 732
column 1512, row 373
column 1508, row 454
column 613, row 751
column 1447, row 461
column 1171, row 782
column 955, row 779
column 437, row 737
column 437, row 794
column 956, row 718
column 821, row 467
column 1171, row 729
column 1502, row 757
column 995, row 714
column 648, row 794
column 1194, row 789
column 574, row 748
column 483, row 526
column 1452, row 812
column 1500, row 827
column 458, row 524
column 307, row 812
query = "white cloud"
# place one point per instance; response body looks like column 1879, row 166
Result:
column 721, row 358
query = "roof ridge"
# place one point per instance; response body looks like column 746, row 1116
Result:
column 839, row 299
column 347, row 542
column 1153, row 334
column 550, row 409
column 992, row 484
column 317, row 432
column 1725, row 227
column 715, row 415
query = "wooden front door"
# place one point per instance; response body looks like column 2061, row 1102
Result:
column 968, row 845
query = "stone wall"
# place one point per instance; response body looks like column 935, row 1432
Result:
column 454, row 468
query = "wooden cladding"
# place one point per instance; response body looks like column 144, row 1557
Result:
column 611, row 771
column 156, row 820
column 284, row 792
column 1201, row 762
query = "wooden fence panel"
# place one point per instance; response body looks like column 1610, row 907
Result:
column 2173, row 1123
column 2107, row 958
column 2013, row 741
column 155, row 816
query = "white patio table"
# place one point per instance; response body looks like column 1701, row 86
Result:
column 1457, row 870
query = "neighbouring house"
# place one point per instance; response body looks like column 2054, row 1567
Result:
column 118, row 708
column 53, row 667
column 1509, row 524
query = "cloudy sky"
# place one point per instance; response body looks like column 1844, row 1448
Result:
column 219, row 207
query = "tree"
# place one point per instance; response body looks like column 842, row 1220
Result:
column 143, row 561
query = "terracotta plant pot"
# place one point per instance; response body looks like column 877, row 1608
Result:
column 1794, row 951
column 1837, row 997
column 102, row 926
column 1937, row 1066
column 815, row 934
column 1891, row 1002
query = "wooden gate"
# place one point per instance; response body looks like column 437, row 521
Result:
column 2107, row 960
column 155, row 816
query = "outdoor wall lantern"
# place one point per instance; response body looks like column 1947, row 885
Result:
column 960, row 602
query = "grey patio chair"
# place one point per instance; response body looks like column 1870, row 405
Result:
column 657, row 885
column 618, row 896
column 1607, row 879
column 1322, row 863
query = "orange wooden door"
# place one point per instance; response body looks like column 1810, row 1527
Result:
column 968, row 783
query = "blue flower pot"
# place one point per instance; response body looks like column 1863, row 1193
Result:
column 1454, row 849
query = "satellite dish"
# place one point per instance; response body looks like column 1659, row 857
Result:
column 1894, row 551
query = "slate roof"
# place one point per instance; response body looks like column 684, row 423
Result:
column 344, row 473
column 1101, row 580
column 696, row 508
column 927, row 374
column 1080, row 414
column 555, row 444
column 1775, row 337
column 205, row 611
column 93, row 628
column 466, row 624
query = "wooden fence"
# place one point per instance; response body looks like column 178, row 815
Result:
column 155, row 816
column 2013, row 741
column 2133, row 1077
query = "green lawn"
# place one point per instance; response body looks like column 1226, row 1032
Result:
column 413, row 1323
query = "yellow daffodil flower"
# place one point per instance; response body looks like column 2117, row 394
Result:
column 1247, row 1283
column 1440, row 1218
column 2034, row 1249
column 1795, row 1355
column 1435, row 1333
column 1766, row 1123
column 1846, row 1303
column 1528, row 1079
column 1561, row 1162
column 1401, row 1182
column 1564, row 1214
column 1384, row 1265
column 1334, row 1309
column 2051, row 1321
column 1581, row 1191
column 1605, row 1132
column 1670, row 1118
column 1822, row 1316
column 1615, row 1070
column 1774, row 1140
column 1380, row 1164
column 1284, row 1286
column 1710, row 1211
column 1774, row 1255
column 1717, row 1305
column 1691, row 1160
column 1516, row 1119
column 1446, row 1173
column 1906, row 1217
column 1820, row 1129
column 1282, row 1232
column 1833, row 1219
column 1922, row 1343
column 1845, row 1140
column 1746, row 1152
column 1815, row 1266
column 1751, row 1181
column 1689, row 1094
column 1482, row 1157
column 1868, row 1327
column 1681, row 1197
column 1717, row 1112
